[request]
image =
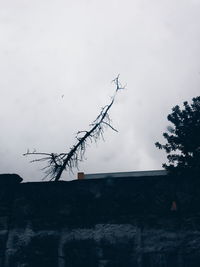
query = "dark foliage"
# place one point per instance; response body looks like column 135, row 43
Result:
column 183, row 139
column 57, row 163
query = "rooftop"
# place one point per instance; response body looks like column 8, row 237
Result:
column 151, row 173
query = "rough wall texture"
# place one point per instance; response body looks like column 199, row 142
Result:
column 104, row 223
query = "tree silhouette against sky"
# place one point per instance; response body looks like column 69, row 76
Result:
column 183, row 139
column 56, row 163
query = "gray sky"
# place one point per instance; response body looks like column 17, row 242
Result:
column 75, row 48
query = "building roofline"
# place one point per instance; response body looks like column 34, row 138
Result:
column 151, row 173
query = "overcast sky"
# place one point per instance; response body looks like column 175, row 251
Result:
column 75, row 48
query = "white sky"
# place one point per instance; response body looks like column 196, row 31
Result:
column 50, row 48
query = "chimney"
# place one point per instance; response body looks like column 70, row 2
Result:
column 80, row 175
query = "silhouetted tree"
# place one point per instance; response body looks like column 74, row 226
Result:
column 183, row 139
column 57, row 163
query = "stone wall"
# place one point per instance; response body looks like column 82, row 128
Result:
column 105, row 223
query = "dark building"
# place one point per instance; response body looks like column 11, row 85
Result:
column 139, row 219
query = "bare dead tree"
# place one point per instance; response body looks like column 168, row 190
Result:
column 57, row 163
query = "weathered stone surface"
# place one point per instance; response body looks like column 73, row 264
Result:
column 103, row 223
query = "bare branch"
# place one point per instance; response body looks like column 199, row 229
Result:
column 57, row 163
column 110, row 126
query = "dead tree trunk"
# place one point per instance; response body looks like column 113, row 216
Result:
column 57, row 163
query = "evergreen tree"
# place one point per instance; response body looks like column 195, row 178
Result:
column 183, row 139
